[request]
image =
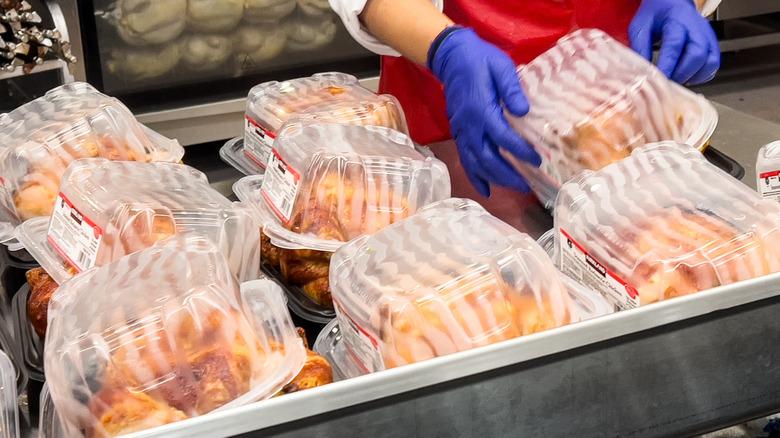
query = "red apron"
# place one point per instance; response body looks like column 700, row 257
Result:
column 522, row 28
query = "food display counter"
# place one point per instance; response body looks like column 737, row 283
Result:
column 678, row 367
column 681, row 367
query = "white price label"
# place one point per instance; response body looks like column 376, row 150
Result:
column 280, row 186
column 580, row 265
column 359, row 344
column 769, row 185
column 74, row 236
column 258, row 142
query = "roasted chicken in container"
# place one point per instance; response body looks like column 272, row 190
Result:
column 162, row 335
column 450, row 278
column 330, row 183
column 38, row 141
column 332, row 97
column 108, row 209
column 593, row 101
column 663, row 223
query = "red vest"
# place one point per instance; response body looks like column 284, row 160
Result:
column 522, row 28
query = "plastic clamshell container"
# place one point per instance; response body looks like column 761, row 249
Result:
column 108, row 209
column 39, row 139
column 9, row 409
column 234, row 153
column 165, row 334
column 592, row 101
column 663, row 223
column 330, row 345
column 450, row 278
column 330, row 183
column 49, row 424
column 327, row 97
column 330, row 342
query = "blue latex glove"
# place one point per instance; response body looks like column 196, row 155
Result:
column 478, row 77
column 689, row 48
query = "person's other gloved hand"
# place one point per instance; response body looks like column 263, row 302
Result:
column 690, row 53
column 478, row 78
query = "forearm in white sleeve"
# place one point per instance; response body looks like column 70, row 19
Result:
column 350, row 10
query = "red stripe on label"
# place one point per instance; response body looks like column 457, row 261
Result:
column 89, row 221
column 254, row 159
column 769, row 174
column 62, row 254
column 265, row 130
column 287, row 166
column 630, row 289
column 276, row 211
column 371, row 338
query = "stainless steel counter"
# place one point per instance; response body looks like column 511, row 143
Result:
column 681, row 367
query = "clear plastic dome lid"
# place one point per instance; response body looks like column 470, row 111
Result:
column 330, row 183
column 39, row 139
column 593, row 100
column 663, row 223
column 107, row 209
column 327, row 97
column 162, row 335
column 450, row 278
column 9, row 409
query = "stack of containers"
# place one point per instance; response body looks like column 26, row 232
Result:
column 450, row 278
column 327, row 184
column 592, row 102
column 108, row 209
column 663, row 223
column 38, row 141
column 162, row 335
column 324, row 97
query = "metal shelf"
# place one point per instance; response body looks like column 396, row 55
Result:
column 675, row 368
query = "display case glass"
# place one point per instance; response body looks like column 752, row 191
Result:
column 159, row 54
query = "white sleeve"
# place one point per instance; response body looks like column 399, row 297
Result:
column 706, row 7
column 350, row 10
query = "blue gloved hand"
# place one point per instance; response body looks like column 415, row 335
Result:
column 478, row 78
column 690, row 53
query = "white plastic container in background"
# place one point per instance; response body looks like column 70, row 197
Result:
column 108, row 209
column 592, row 101
column 768, row 171
column 165, row 334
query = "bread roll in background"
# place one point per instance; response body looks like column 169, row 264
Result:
column 141, row 63
column 206, row 52
column 267, row 11
column 311, row 33
column 150, row 22
column 214, row 15
column 314, row 8
column 253, row 44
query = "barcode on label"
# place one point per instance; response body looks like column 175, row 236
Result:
column 280, row 186
column 578, row 263
column 258, row 142
column 74, row 236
